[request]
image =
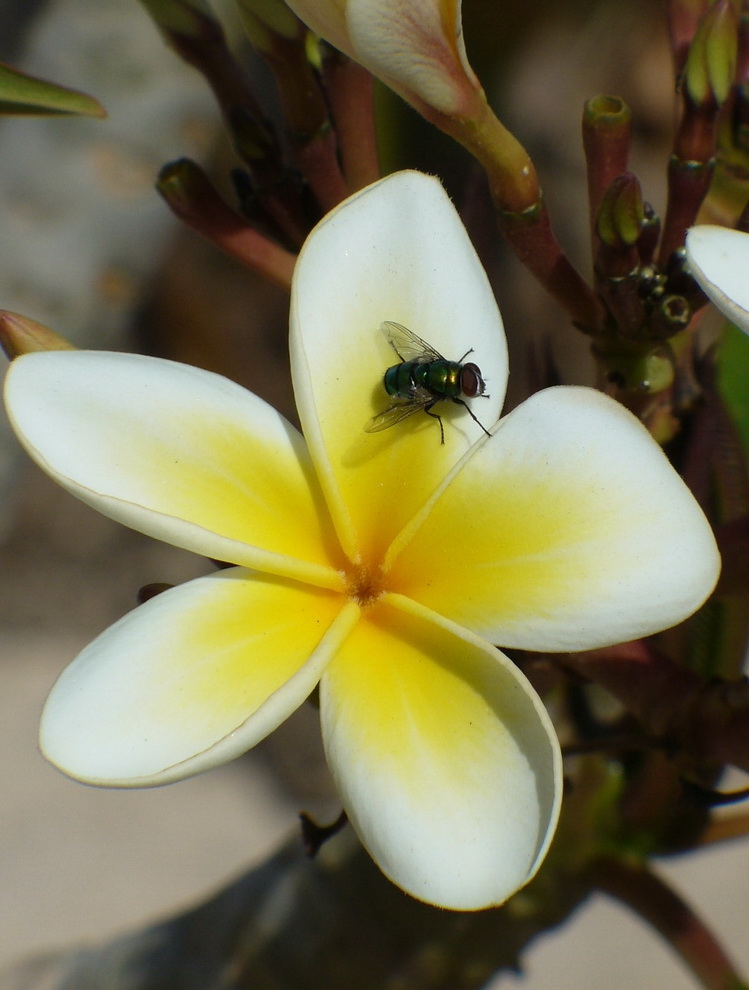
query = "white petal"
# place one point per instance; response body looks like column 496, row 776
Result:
column 446, row 761
column 417, row 48
column 719, row 260
column 191, row 679
column 175, row 452
column 326, row 18
column 567, row 530
column 396, row 251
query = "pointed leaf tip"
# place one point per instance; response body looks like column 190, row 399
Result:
column 22, row 94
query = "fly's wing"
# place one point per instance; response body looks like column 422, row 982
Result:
column 394, row 414
column 407, row 345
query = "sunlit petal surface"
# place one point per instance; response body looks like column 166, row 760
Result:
column 444, row 757
column 178, row 453
column 567, row 530
column 719, row 260
column 398, row 252
column 191, row 679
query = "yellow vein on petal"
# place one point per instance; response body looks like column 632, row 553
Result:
column 312, row 429
column 412, row 527
column 264, row 720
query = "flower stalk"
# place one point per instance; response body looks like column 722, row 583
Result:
column 280, row 38
column 680, row 925
column 706, row 720
column 607, row 135
column 707, row 80
column 190, row 195
column 192, row 31
column 350, row 90
column 683, row 17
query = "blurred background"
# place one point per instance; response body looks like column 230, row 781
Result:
column 88, row 247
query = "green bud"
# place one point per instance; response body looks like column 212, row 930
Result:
column 183, row 17
column 711, row 64
column 621, row 214
column 650, row 371
column 262, row 19
column 181, row 183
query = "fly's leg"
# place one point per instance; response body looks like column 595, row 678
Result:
column 428, row 411
column 470, row 413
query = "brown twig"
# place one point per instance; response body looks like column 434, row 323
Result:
column 190, row 195
column 607, row 134
column 654, row 901
column 350, row 89
column 706, row 720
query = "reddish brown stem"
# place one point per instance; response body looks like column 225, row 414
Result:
column 607, row 134
column 690, row 171
column 252, row 134
column 683, row 18
column 318, row 162
column 654, row 901
column 350, row 90
column 708, row 720
column 190, row 195
column 305, row 112
column 532, row 238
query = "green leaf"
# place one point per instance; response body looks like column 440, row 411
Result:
column 733, row 378
column 25, row 95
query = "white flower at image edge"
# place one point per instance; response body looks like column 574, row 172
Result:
column 719, row 260
column 381, row 566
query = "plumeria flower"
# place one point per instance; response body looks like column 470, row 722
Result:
column 381, row 566
column 719, row 260
column 416, row 48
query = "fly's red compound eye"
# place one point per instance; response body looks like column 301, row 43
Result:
column 471, row 382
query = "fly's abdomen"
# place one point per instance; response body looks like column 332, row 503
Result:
column 399, row 380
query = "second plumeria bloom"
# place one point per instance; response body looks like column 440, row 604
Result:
column 416, row 48
column 719, row 260
column 381, row 566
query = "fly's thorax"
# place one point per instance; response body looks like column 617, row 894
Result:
column 440, row 378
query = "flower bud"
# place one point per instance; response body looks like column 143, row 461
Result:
column 20, row 335
column 711, row 63
column 183, row 17
column 621, row 215
column 263, row 19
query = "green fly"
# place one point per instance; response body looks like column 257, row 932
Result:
column 422, row 379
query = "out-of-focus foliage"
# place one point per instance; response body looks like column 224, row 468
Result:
column 28, row 95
